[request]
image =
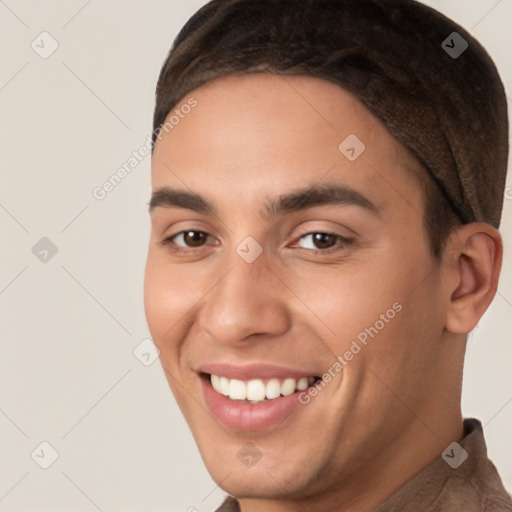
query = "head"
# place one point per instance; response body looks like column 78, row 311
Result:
column 306, row 223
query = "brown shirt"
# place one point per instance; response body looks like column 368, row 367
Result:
column 449, row 484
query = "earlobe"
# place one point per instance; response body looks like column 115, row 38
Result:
column 477, row 252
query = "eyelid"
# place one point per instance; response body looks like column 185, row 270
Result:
column 335, row 248
column 328, row 231
column 309, row 230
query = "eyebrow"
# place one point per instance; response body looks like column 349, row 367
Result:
column 296, row 200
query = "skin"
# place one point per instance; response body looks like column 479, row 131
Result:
column 396, row 406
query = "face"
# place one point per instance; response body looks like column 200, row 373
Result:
column 289, row 285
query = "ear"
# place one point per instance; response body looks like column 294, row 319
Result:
column 474, row 254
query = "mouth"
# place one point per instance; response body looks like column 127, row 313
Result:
column 253, row 400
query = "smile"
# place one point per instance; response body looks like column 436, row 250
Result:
column 253, row 397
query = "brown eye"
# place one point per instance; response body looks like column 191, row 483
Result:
column 187, row 239
column 323, row 241
column 194, row 238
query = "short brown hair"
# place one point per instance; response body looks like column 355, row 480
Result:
column 440, row 219
column 360, row 46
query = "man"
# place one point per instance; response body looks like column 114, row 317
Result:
column 324, row 237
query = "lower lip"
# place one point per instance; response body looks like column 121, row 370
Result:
column 244, row 415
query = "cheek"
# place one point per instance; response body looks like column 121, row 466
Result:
column 380, row 300
column 163, row 302
column 349, row 299
column 166, row 314
column 154, row 306
column 173, row 295
column 397, row 313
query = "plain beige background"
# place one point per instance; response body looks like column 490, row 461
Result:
column 69, row 325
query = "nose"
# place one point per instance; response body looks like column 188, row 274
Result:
column 249, row 300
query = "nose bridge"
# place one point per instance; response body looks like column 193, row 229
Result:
column 247, row 300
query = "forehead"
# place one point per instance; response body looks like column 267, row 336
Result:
column 251, row 133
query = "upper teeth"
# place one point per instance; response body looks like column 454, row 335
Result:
column 257, row 390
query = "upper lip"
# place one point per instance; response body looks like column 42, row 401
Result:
column 253, row 371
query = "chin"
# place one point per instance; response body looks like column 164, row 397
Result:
column 263, row 480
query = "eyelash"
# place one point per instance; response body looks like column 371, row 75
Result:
column 177, row 249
